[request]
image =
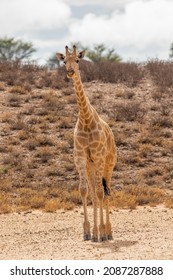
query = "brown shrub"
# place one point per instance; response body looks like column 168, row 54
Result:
column 15, row 73
column 112, row 72
column 164, row 122
column 165, row 109
column 162, row 73
column 2, row 86
column 89, row 71
column 145, row 150
column 44, row 140
column 17, row 123
column 11, row 159
column 18, row 74
column 13, row 100
column 128, row 73
column 31, row 144
column 128, row 111
column 18, row 89
column 152, row 172
column 44, row 154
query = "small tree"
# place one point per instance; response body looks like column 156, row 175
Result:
column 53, row 62
column 171, row 51
column 12, row 50
column 100, row 53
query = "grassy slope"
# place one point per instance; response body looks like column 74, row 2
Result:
column 36, row 144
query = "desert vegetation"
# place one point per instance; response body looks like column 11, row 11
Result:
column 38, row 114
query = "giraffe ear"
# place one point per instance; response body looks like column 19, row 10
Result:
column 81, row 54
column 60, row 56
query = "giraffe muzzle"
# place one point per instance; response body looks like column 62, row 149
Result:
column 70, row 73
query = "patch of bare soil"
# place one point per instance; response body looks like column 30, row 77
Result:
column 145, row 233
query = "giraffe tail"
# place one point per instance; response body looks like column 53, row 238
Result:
column 106, row 189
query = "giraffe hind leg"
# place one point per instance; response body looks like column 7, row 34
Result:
column 106, row 185
column 106, row 189
column 108, row 224
column 100, row 196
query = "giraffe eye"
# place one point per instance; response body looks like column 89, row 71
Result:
column 64, row 62
column 77, row 60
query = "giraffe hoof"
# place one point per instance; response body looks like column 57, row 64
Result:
column 87, row 237
column 110, row 237
column 95, row 239
column 103, row 238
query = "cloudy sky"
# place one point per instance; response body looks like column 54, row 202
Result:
column 137, row 29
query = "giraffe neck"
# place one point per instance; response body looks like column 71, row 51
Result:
column 85, row 109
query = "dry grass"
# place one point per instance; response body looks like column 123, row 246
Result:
column 5, row 203
column 169, row 202
column 2, row 86
column 133, row 196
column 18, row 89
column 52, row 199
column 38, row 116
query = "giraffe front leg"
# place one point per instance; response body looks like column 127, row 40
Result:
column 83, row 187
column 86, row 224
column 91, row 183
column 95, row 228
column 102, row 228
column 108, row 224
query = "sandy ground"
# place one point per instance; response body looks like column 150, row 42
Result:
column 145, row 233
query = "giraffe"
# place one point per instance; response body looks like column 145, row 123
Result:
column 94, row 153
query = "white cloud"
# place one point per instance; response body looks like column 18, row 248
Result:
column 137, row 29
column 144, row 29
column 114, row 3
column 17, row 16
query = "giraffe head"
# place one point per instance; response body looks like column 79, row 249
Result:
column 71, row 61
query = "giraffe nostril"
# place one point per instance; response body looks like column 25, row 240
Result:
column 70, row 71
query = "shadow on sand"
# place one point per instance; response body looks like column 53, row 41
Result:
column 115, row 245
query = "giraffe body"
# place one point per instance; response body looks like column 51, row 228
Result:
column 94, row 154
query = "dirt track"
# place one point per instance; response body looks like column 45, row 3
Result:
column 145, row 233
